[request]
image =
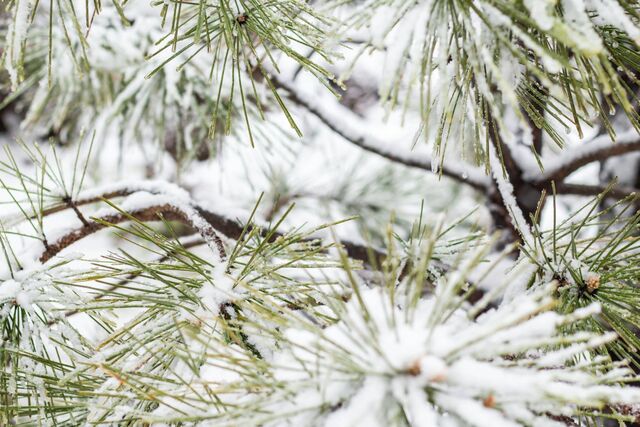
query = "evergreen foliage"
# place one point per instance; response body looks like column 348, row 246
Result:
column 230, row 213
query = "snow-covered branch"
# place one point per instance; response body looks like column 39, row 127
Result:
column 222, row 223
column 128, row 300
column 208, row 222
column 352, row 128
column 599, row 149
column 139, row 206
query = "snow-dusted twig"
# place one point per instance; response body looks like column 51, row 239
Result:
column 222, row 223
column 348, row 125
column 150, row 208
column 506, row 190
column 600, row 148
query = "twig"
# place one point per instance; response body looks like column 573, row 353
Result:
column 338, row 119
column 600, row 148
column 71, row 204
column 145, row 214
column 616, row 192
column 221, row 223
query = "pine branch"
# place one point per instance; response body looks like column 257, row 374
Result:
column 614, row 192
column 166, row 211
column 598, row 149
column 370, row 255
column 287, row 328
column 352, row 128
column 221, row 223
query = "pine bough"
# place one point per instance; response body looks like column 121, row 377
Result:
column 200, row 315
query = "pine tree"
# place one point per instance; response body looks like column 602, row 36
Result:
column 320, row 213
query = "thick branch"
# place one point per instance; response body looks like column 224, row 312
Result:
column 505, row 199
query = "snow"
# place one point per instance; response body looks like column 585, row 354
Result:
column 23, row 299
column 9, row 290
column 18, row 28
column 214, row 294
column 610, row 12
column 506, row 192
column 393, row 356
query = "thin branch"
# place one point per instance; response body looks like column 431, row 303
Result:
column 71, row 204
column 230, row 228
column 600, row 148
column 148, row 213
column 615, row 192
column 352, row 128
column 113, row 191
column 226, row 226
